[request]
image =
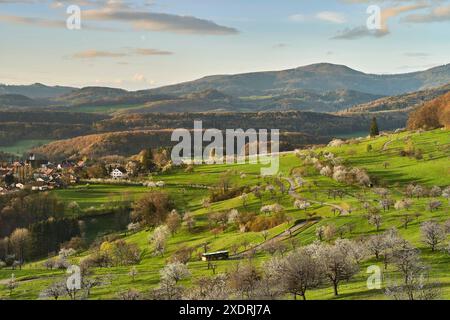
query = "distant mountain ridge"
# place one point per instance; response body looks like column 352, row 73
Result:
column 16, row 100
column 319, row 77
column 321, row 87
column 215, row 101
column 36, row 90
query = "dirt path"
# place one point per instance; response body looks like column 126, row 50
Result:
column 285, row 234
column 295, row 195
column 386, row 145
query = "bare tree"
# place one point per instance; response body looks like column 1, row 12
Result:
column 406, row 219
column 167, row 290
column 269, row 287
column 376, row 220
column 173, row 221
column 391, row 242
column 403, row 204
column 434, row 205
column 209, row 288
column 407, row 261
column 129, row 295
column 447, row 226
column 243, row 278
column 300, row 272
column 11, row 284
column 273, row 246
column 446, row 193
column 133, row 273
column 20, row 243
column 189, row 221
column 159, row 239
column 175, row 272
column 418, row 191
column 386, row 203
column 301, row 205
column 337, row 264
column 415, row 284
column 375, row 245
column 320, row 231
column 55, row 290
column 435, row 191
column 432, row 234
column 356, row 249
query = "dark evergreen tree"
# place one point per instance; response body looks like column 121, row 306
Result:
column 374, row 128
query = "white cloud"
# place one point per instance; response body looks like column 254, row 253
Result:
column 330, row 16
column 297, row 17
column 90, row 54
column 359, row 32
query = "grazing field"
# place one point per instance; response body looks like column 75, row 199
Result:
column 383, row 161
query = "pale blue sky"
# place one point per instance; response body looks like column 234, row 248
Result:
column 143, row 44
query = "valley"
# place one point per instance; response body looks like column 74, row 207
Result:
column 344, row 212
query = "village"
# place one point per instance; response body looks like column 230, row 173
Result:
column 43, row 175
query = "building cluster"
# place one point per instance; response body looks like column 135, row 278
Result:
column 37, row 175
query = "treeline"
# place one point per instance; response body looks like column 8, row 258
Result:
column 33, row 225
column 22, row 209
column 126, row 134
column 130, row 143
column 291, row 121
column 12, row 132
column 50, row 116
column 16, row 126
column 41, row 239
column 405, row 102
column 102, row 145
column 431, row 115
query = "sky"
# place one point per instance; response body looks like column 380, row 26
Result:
column 139, row 44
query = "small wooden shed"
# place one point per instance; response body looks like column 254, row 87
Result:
column 213, row 256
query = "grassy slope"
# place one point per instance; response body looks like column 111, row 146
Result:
column 400, row 171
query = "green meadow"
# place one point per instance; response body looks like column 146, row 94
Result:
column 381, row 160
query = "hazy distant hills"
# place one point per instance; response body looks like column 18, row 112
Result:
column 213, row 100
column 320, row 87
column 16, row 100
column 320, row 77
column 35, row 91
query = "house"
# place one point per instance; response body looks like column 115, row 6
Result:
column 213, row 256
column 118, row 174
column 20, row 186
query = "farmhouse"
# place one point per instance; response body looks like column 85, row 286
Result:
column 118, row 174
column 212, row 256
column 20, row 186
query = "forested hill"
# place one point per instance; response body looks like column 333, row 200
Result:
column 318, row 77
